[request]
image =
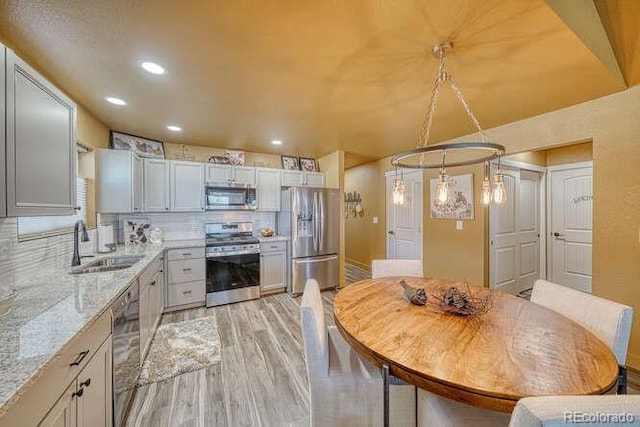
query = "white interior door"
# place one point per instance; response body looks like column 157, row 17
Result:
column 515, row 233
column 404, row 222
column 571, row 205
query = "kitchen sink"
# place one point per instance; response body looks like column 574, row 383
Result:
column 107, row 264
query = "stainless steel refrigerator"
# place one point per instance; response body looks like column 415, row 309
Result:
column 310, row 217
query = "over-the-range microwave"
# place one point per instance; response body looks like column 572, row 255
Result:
column 229, row 197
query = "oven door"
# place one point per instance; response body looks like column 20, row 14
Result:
column 225, row 273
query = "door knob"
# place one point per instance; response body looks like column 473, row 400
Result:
column 558, row 235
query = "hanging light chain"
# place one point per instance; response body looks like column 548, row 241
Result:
column 425, row 132
column 466, row 106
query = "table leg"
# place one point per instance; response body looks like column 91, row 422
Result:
column 385, row 376
column 622, row 380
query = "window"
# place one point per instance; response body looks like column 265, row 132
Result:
column 36, row 227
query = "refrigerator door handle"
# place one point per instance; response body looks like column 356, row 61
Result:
column 316, row 259
column 321, row 227
column 315, row 221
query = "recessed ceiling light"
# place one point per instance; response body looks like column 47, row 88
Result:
column 276, row 142
column 153, row 68
column 116, row 101
column 174, row 128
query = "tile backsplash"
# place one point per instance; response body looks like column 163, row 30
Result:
column 29, row 257
column 179, row 226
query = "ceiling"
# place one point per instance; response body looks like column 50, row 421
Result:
column 319, row 75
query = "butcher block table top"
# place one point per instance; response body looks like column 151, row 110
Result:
column 515, row 350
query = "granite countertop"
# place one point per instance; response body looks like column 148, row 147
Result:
column 54, row 306
column 276, row 238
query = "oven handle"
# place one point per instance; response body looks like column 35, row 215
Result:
column 224, row 254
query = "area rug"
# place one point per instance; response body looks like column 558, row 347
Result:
column 181, row 347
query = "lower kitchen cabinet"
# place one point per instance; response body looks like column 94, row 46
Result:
column 151, row 297
column 273, row 267
column 87, row 400
column 186, row 278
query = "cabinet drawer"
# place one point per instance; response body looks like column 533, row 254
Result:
column 187, row 270
column 187, row 253
column 41, row 395
column 186, row 293
column 273, row 246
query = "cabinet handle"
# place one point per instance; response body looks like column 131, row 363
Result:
column 273, row 247
column 78, row 393
column 188, row 254
column 186, row 293
column 184, row 270
column 86, row 383
column 80, row 358
column 152, row 283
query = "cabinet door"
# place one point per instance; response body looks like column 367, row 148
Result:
column 63, row 413
column 115, row 181
column 94, row 404
column 138, row 183
column 159, row 296
column 292, row 178
column 187, row 186
column 40, row 144
column 244, row 175
column 219, row 173
column 156, row 185
column 145, row 319
column 273, row 268
column 314, row 179
column 268, row 189
column 3, row 183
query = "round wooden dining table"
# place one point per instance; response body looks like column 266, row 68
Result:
column 516, row 349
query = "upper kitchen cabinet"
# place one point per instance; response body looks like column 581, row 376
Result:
column 40, row 143
column 268, row 189
column 187, row 186
column 300, row 178
column 119, row 181
column 227, row 174
column 156, row 185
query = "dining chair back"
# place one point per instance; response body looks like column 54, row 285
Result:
column 610, row 321
column 567, row 410
column 396, row 267
column 314, row 331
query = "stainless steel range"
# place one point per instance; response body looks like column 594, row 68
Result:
column 233, row 263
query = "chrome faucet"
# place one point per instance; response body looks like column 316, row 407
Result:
column 85, row 238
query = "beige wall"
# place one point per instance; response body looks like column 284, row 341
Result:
column 364, row 240
column 199, row 153
column 570, row 154
column 612, row 124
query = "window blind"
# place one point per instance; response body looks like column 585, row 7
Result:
column 36, row 227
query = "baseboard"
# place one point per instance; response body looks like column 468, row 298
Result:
column 357, row 264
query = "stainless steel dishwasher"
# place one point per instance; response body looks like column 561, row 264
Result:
column 125, row 312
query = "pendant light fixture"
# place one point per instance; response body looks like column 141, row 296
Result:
column 474, row 152
column 398, row 189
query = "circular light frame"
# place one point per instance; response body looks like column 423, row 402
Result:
column 496, row 151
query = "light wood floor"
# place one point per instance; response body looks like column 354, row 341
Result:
column 260, row 381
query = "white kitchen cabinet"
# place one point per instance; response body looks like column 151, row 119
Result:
column 3, row 182
column 187, row 186
column 40, row 143
column 268, row 189
column 118, row 181
column 63, row 413
column 94, row 407
column 186, row 278
column 301, row 179
column 156, row 186
column 227, row 174
column 151, row 282
column 87, row 401
column 273, row 266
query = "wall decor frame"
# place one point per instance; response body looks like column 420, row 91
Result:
column 143, row 147
column 460, row 203
column 236, row 158
column 308, row 164
column 290, row 163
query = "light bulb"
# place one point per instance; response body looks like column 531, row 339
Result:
column 398, row 192
column 442, row 192
column 486, row 191
column 499, row 194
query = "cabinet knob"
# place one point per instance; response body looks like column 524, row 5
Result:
column 86, row 383
column 78, row 393
column 80, row 358
column 187, row 293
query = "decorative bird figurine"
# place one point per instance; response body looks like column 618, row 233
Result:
column 415, row 296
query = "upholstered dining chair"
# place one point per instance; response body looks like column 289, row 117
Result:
column 345, row 389
column 554, row 411
column 396, row 267
column 608, row 320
